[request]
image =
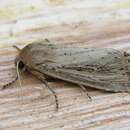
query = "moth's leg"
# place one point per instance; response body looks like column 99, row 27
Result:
column 50, row 79
column 84, row 89
column 47, row 40
column 42, row 78
column 10, row 83
column 53, row 92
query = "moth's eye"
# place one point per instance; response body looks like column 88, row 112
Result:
column 21, row 65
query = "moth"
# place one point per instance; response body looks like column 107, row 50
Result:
column 101, row 68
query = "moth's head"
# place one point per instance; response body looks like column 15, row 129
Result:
column 26, row 57
column 33, row 54
column 18, row 61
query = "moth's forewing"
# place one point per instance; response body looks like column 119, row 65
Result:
column 102, row 68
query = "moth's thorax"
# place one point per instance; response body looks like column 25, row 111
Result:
column 33, row 54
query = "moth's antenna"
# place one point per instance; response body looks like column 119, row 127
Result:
column 17, row 48
column 17, row 70
column 18, row 75
column 17, row 78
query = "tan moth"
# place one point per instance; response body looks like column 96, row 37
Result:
column 101, row 68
